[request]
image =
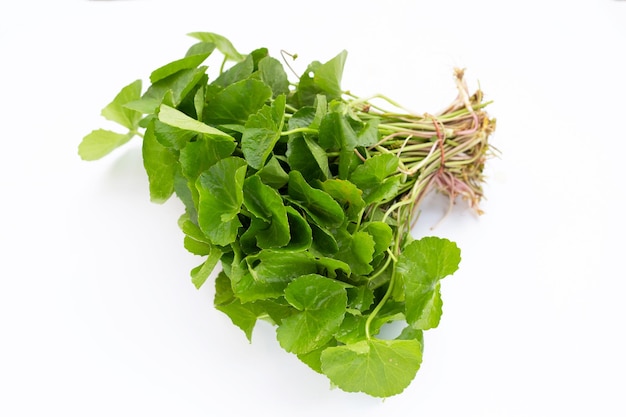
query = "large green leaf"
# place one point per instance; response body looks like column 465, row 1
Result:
column 170, row 90
column 180, row 120
column 200, row 154
column 321, row 304
column 421, row 265
column 273, row 74
column 266, row 204
column 335, row 132
column 357, row 250
column 266, row 274
column 222, row 44
column 328, row 75
column 243, row 315
column 160, row 164
column 201, row 273
column 380, row 368
column 262, row 131
column 347, row 194
column 273, row 174
column 376, row 178
column 221, row 196
column 238, row 72
column 318, row 204
column 101, row 142
column 116, row 110
column 235, row 103
column 188, row 62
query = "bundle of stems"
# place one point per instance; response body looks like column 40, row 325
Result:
column 445, row 151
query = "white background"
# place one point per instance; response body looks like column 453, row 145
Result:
column 97, row 313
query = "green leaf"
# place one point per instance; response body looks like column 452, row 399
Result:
column 160, row 164
column 273, row 74
column 347, row 194
column 323, row 241
column 317, row 203
column 422, row 264
column 376, row 178
column 170, row 90
column 313, row 358
column 266, row 203
column 380, row 368
column 262, row 131
column 266, row 274
column 303, row 153
column 180, row 120
column 221, row 196
column 243, row 315
column 235, row 103
column 200, row 48
column 360, row 298
column 101, row 142
column 222, row 44
column 269, row 266
column 273, row 174
column 200, row 154
column 116, row 112
column 306, row 156
column 188, row 62
column 335, row 132
column 382, row 234
column 357, row 250
column 321, row 303
column 328, row 75
column 238, row 72
column 200, row 274
column 352, row 329
column 300, row 231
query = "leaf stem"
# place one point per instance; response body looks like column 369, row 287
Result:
column 383, row 300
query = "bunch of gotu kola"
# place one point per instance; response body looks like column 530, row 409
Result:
column 306, row 195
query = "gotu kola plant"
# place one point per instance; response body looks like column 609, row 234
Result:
column 305, row 195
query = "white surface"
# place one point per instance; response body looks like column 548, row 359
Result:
column 97, row 314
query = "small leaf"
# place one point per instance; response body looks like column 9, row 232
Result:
column 382, row 234
column 101, row 142
column 116, row 112
column 238, row 72
column 300, row 231
column 235, row 103
column 317, row 203
column 188, row 62
column 421, row 265
column 243, row 315
column 328, row 75
column 347, row 194
column 180, row 120
column 357, row 250
column 273, row 174
column 266, row 274
column 199, row 155
column 222, row 44
column 200, row 274
column 380, row 368
column 266, row 203
column 335, row 131
column 321, row 303
column 306, row 156
column 160, row 164
column 376, row 178
column 170, row 90
column 221, row 196
column 263, row 130
column 273, row 74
